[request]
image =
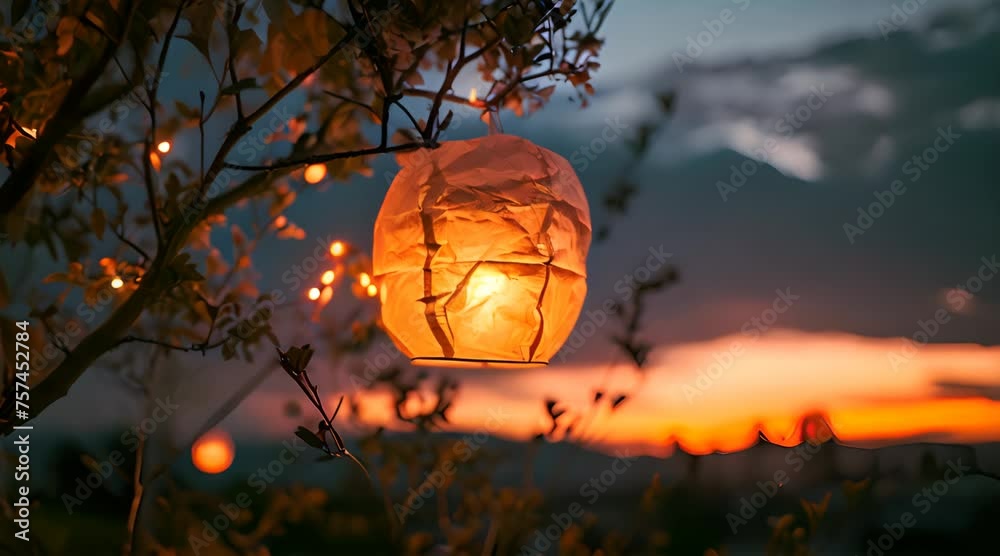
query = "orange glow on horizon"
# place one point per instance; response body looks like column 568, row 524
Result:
column 213, row 453
column 775, row 381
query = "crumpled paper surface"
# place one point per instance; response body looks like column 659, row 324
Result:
column 480, row 253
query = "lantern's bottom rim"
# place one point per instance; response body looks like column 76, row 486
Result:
column 465, row 363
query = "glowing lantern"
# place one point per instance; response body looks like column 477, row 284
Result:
column 213, row 453
column 480, row 254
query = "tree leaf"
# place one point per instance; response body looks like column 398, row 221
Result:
column 310, row 438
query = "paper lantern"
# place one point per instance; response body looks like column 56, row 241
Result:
column 480, row 253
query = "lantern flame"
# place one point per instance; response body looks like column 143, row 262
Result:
column 117, row 283
column 482, row 286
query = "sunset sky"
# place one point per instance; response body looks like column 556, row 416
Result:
column 842, row 346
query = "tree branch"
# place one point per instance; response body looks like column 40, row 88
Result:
column 320, row 158
column 155, row 282
column 67, row 117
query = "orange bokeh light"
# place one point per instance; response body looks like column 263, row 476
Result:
column 314, row 293
column 117, row 282
column 163, row 147
column 213, row 453
column 364, row 279
column 327, row 278
column 315, row 173
column 372, row 290
column 337, row 248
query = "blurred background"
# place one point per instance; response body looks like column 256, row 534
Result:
column 817, row 179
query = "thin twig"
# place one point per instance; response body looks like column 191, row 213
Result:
column 137, row 491
column 320, row 158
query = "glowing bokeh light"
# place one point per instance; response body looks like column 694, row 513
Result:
column 314, row 293
column 372, row 290
column 337, row 248
column 327, row 278
column 364, row 279
column 213, row 453
column 163, row 147
column 315, row 173
column 117, row 282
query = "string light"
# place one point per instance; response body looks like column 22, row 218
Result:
column 314, row 293
column 163, row 147
column 327, row 278
column 337, row 248
column 364, row 279
column 325, row 296
column 315, row 173
column 117, row 282
column 372, row 290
